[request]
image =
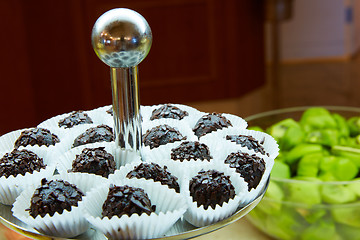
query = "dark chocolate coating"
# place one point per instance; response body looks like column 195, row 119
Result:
column 247, row 141
column 155, row 172
column 20, row 162
column 191, row 150
column 168, row 111
column 101, row 133
column 161, row 135
column 54, row 196
column 36, row 136
column 209, row 123
column 250, row 167
column 94, row 160
column 211, row 188
column 75, row 118
column 126, row 200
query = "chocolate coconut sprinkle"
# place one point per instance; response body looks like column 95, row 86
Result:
column 209, row 123
column 54, row 196
column 161, row 135
column 250, row 167
column 36, row 136
column 75, row 118
column 127, row 200
column 211, row 188
column 168, row 111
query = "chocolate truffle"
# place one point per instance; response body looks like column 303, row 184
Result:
column 161, row 135
column 126, row 200
column 54, row 196
column 36, row 136
column 168, row 111
column 211, row 188
column 101, row 133
column 250, row 167
column 191, row 150
column 155, row 172
column 248, row 141
column 94, row 160
column 209, row 123
column 20, row 162
column 75, row 118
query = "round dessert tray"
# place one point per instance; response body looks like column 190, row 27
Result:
column 181, row 230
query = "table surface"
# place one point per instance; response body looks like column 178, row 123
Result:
column 241, row 229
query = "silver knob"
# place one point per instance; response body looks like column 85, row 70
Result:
column 122, row 38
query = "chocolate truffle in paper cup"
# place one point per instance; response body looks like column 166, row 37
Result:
column 100, row 133
column 52, row 208
column 163, row 136
column 159, row 210
column 179, row 156
column 7, row 140
column 36, row 136
column 212, row 194
column 177, row 112
column 191, row 150
column 209, row 123
column 97, row 158
column 68, row 120
column 149, row 171
column 254, row 141
column 20, row 168
column 253, row 168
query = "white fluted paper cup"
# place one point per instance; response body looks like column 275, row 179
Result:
column 169, row 208
column 65, row 225
column 12, row 186
column 199, row 216
column 66, row 160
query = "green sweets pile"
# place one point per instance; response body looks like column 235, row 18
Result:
column 322, row 150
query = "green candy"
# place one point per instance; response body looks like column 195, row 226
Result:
column 355, row 186
column 309, row 165
column 285, row 226
column 279, row 129
column 301, row 150
column 321, row 230
column 348, row 232
column 342, row 125
column 274, row 195
column 280, row 170
column 345, row 169
column 305, row 192
column 354, row 126
column 317, row 118
column 337, row 194
column 347, row 215
column 327, row 137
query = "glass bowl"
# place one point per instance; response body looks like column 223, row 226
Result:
column 307, row 208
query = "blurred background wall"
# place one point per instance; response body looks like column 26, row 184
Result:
column 202, row 50
column 214, row 55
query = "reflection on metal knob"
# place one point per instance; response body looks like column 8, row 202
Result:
column 121, row 38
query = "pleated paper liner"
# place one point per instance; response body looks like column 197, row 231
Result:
column 11, row 187
column 67, row 224
column 200, row 217
column 169, row 208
